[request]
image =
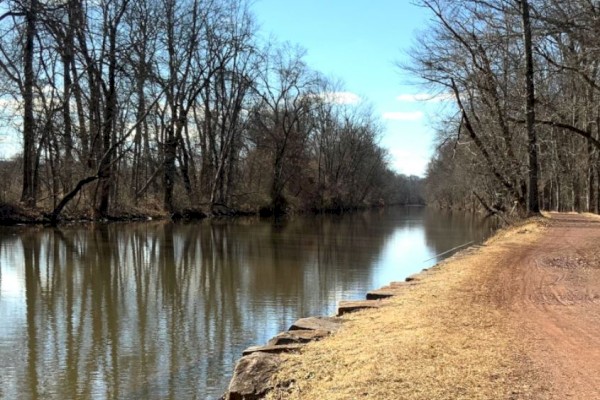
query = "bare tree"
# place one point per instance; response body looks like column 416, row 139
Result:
column 286, row 90
column 114, row 95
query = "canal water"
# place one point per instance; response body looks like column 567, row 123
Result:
column 162, row 310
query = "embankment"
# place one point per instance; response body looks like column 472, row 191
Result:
column 516, row 318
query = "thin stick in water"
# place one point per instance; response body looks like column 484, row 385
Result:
column 448, row 251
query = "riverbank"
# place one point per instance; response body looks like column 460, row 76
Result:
column 514, row 319
column 15, row 214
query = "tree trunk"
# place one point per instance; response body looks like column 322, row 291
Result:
column 533, row 206
column 278, row 202
column 28, row 195
column 169, row 169
column 108, row 127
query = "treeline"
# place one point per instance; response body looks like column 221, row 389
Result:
column 177, row 104
column 522, row 129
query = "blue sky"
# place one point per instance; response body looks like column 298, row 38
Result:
column 359, row 41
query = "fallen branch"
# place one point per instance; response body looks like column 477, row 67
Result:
column 490, row 210
column 65, row 200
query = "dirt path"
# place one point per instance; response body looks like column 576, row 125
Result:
column 553, row 287
column 518, row 318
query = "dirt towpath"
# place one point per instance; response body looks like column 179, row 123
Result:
column 552, row 286
column 518, row 318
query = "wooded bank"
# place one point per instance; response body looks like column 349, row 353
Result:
column 157, row 106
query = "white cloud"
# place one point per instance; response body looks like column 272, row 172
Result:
column 414, row 97
column 403, row 116
column 340, row 97
column 409, row 162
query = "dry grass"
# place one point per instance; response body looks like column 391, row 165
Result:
column 442, row 339
column 591, row 215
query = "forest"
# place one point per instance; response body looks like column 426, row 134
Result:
column 177, row 107
column 523, row 133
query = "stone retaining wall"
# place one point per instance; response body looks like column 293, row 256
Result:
column 252, row 373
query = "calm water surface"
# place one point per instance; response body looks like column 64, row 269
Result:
column 162, row 311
